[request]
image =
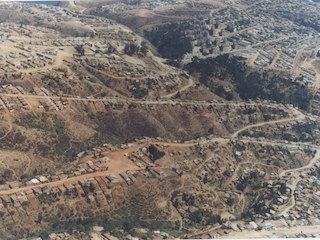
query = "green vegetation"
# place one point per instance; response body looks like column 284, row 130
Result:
column 248, row 84
column 253, row 180
column 80, row 50
column 69, row 227
column 202, row 216
column 53, row 141
column 131, row 48
column 170, row 40
column 155, row 153
column 6, row 175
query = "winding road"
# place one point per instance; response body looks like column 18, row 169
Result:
column 296, row 115
column 299, row 116
column 293, row 186
column 306, row 167
column 182, row 89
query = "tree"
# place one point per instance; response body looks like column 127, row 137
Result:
column 144, row 48
column 91, row 187
column 283, row 188
column 110, row 49
column 128, row 225
column 80, row 50
column 7, row 174
column 178, row 95
column 131, row 49
column 170, row 40
column 230, row 201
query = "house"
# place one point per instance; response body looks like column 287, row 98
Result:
column 33, row 181
column 43, row 179
column 253, row 225
column 126, row 178
column 91, row 199
column 108, row 236
column 4, row 187
column 14, row 184
column 214, row 235
column 23, row 199
column 6, row 200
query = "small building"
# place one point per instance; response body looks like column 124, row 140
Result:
column 253, row 225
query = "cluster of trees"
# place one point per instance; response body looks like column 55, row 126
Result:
column 253, row 180
column 170, row 40
column 80, row 50
column 202, row 216
column 140, row 92
column 133, row 48
column 6, row 175
column 155, row 153
column 133, row 2
column 247, row 83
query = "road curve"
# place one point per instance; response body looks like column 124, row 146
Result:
column 299, row 116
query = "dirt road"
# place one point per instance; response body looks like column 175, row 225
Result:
column 293, row 200
column 146, row 102
column 278, row 233
column 182, row 89
column 297, row 179
column 306, row 167
column 299, row 116
column 70, row 180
